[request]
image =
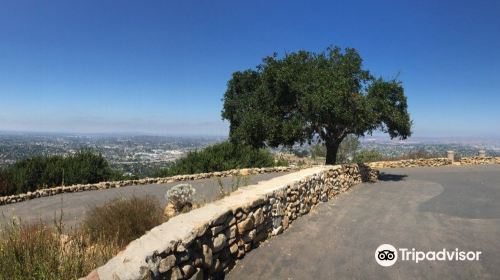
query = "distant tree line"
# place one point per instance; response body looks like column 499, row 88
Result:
column 220, row 157
column 30, row 174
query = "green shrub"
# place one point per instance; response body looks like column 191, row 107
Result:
column 6, row 186
column 122, row 219
column 367, row 156
column 37, row 172
column 219, row 157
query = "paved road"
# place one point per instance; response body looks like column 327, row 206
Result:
column 74, row 205
column 424, row 208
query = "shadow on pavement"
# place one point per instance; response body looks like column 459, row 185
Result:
column 391, row 177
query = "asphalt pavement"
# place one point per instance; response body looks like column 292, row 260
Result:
column 75, row 205
column 426, row 209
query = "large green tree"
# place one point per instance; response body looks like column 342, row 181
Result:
column 304, row 95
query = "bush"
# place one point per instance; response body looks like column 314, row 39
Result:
column 180, row 196
column 6, row 186
column 368, row 156
column 219, row 157
column 37, row 172
column 122, row 219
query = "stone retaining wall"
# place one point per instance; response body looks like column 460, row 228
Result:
column 117, row 184
column 206, row 242
column 432, row 162
column 479, row 160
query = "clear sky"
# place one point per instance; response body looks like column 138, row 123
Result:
column 161, row 67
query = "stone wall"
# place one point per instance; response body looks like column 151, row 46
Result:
column 479, row 160
column 117, row 184
column 206, row 242
column 410, row 163
column 433, row 162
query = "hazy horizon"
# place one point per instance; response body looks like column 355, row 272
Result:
column 376, row 136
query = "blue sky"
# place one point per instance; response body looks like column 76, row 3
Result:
column 161, row 67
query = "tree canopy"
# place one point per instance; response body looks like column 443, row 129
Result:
column 304, row 96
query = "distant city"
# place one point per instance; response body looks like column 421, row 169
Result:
column 145, row 154
column 132, row 154
column 462, row 146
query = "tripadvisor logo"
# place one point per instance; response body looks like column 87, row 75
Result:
column 387, row 255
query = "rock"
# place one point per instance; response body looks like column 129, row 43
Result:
column 249, row 236
column 188, row 270
column 219, row 242
column 246, row 224
column 231, row 220
column 221, row 219
column 258, row 216
column 174, row 274
column 217, row 229
column 277, row 230
column 231, row 232
column 217, row 266
column 167, row 263
column 244, row 172
column 207, row 256
column 234, row 248
column 198, row 275
column 241, row 253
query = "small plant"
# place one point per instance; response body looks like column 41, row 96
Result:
column 181, row 196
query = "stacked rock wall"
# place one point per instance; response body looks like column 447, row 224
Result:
column 422, row 162
column 433, row 162
column 479, row 160
column 117, row 184
column 206, row 242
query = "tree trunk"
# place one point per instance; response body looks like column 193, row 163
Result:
column 332, row 147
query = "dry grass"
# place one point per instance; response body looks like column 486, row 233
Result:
column 122, row 219
column 40, row 251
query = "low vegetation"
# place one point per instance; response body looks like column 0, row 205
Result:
column 30, row 174
column 122, row 220
column 220, row 157
column 40, row 251
column 363, row 156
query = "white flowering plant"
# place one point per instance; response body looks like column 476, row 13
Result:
column 180, row 196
